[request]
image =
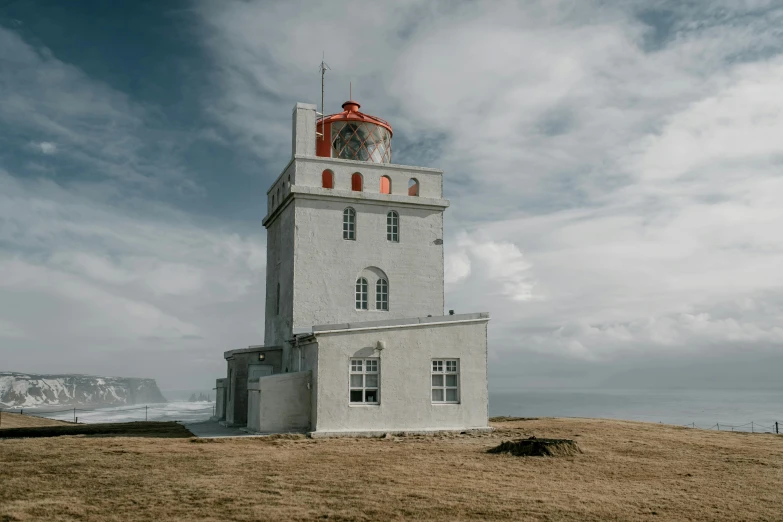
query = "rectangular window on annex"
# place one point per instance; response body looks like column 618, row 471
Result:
column 445, row 381
column 364, row 385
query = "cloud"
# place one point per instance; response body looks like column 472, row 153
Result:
column 613, row 171
column 46, row 147
column 629, row 151
column 500, row 263
column 86, row 123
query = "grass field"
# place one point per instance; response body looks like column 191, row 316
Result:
column 627, row 471
column 14, row 420
column 14, row 425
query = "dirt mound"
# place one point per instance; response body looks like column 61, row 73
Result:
column 533, row 447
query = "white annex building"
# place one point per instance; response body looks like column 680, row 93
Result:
column 356, row 340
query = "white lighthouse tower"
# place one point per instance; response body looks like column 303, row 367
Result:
column 356, row 340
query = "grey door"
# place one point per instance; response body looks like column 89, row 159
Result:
column 254, row 371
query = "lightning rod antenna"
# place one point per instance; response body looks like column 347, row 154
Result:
column 323, row 67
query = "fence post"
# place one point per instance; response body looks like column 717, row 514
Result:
column 145, row 413
column 74, row 415
column 751, row 426
column 719, row 426
column 1, row 418
column 776, row 427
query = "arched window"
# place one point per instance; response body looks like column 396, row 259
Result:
column 327, row 179
column 273, row 200
column 382, row 295
column 413, row 187
column 278, row 194
column 349, row 223
column 361, row 294
column 393, row 227
column 385, row 185
column 356, row 182
column 377, row 293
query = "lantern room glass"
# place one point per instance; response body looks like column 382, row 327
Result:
column 361, row 141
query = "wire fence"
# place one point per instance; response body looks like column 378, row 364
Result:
column 752, row 427
column 34, row 412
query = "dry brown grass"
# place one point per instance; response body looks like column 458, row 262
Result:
column 628, row 471
column 14, row 420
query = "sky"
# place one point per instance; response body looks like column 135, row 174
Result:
column 614, row 168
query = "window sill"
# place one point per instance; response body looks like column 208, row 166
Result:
column 446, row 403
column 363, row 404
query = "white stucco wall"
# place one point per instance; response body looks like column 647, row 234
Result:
column 405, row 377
column 279, row 403
column 280, row 269
column 327, row 266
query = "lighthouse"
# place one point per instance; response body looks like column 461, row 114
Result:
column 356, row 339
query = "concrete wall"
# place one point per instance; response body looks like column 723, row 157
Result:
column 327, row 266
column 405, row 377
column 308, row 172
column 238, row 362
column 279, row 270
column 280, row 403
column 220, row 399
column 303, row 138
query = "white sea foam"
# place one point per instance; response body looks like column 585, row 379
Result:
column 172, row 411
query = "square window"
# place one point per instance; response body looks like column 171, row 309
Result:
column 445, row 384
column 364, row 380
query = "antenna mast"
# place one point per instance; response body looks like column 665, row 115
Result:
column 323, row 67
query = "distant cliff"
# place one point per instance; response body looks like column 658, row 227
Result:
column 28, row 390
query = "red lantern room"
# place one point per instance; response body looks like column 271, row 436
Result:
column 354, row 135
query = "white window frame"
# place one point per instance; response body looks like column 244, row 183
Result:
column 382, row 295
column 393, row 226
column 349, row 224
column 361, row 293
column 362, row 368
column 441, row 370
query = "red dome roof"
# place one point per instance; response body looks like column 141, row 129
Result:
column 351, row 113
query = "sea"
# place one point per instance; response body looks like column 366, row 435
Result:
column 737, row 410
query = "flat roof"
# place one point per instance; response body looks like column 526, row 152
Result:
column 395, row 323
column 251, row 349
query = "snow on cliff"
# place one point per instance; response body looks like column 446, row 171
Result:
column 28, row 390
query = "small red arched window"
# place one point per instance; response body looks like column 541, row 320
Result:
column 385, row 185
column 413, row 187
column 356, row 182
column 327, row 179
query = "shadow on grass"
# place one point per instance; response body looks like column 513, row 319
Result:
column 167, row 430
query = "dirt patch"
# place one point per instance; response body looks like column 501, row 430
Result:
column 534, row 447
column 630, row 471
